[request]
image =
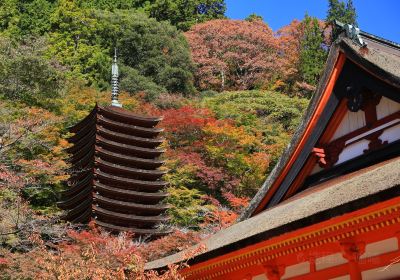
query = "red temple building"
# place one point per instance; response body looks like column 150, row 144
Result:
column 115, row 179
column 330, row 209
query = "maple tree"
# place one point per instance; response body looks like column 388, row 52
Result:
column 233, row 54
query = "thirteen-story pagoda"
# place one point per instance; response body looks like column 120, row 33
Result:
column 115, row 178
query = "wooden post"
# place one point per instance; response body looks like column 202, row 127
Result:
column 352, row 253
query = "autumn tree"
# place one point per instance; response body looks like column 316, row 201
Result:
column 303, row 46
column 233, row 54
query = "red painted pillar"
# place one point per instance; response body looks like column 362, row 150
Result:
column 352, row 253
column 248, row 277
column 274, row 272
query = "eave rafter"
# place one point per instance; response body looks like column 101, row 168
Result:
column 325, row 237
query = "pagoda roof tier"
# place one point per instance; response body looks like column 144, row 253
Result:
column 82, row 142
column 128, row 160
column 84, row 217
column 82, row 153
column 138, row 231
column 135, row 173
column 130, row 207
column 131, row 184
column 114, row 160
column 74, row 200
column 128, row 149
column 76, row 187
column 126, row 138
column 129, row 217
column 125, row 116
column 72, row 213
column 88, row 119
column 81, row 133
column 128, row 194
column 127, row 128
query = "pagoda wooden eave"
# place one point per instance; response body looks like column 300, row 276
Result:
column 139, row 231
column 152, row 197
column 128, row 149
column 114, row 172
column 130, row 171
column 128, row 217
column 137, row 130
column 129, row 160
column 124, row 117
column 125, row 138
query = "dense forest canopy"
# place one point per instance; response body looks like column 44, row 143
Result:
column 232, row 92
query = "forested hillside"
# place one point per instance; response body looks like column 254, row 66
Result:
column 232, row 92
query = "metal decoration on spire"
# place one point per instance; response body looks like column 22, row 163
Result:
column 115, row 82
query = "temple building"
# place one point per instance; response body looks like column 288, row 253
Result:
column 330, row 209
column 115, row 178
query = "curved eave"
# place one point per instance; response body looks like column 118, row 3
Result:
column 135, row 130
column 82, row 153
column 128, row 217
column 131, row 183
column 130, row 149
column 84, row 217
column 82, row 173
column 129, row 160
column 78, row 210
column 89, row 127
column 129, row 171
column 125, row 138
column 144, row 196
column 88, row 138
column 84, row 122
column 80, row 163
column 128, row 117
column 129, row 206
column 79, row 186
column 152, row 232
column 73, row 201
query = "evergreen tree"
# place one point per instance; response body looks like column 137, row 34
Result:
column 254, row 17
column 343, row 12
column 312, row 53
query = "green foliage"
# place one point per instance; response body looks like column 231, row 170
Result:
column 254, row 17
column 250, row 107
column 312, row 54
column 187, row 207
column 183, row 13
column 157, row 50
column 155, row 55
column 344, row 12
column 273, row 116
column 180, row 13
column 26, row 75
column 21, row 18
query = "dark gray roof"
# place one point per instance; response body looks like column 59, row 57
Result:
column 332, row 198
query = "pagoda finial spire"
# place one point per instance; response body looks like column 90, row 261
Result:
column 114, row 82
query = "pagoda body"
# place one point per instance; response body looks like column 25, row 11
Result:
column 115, row 179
